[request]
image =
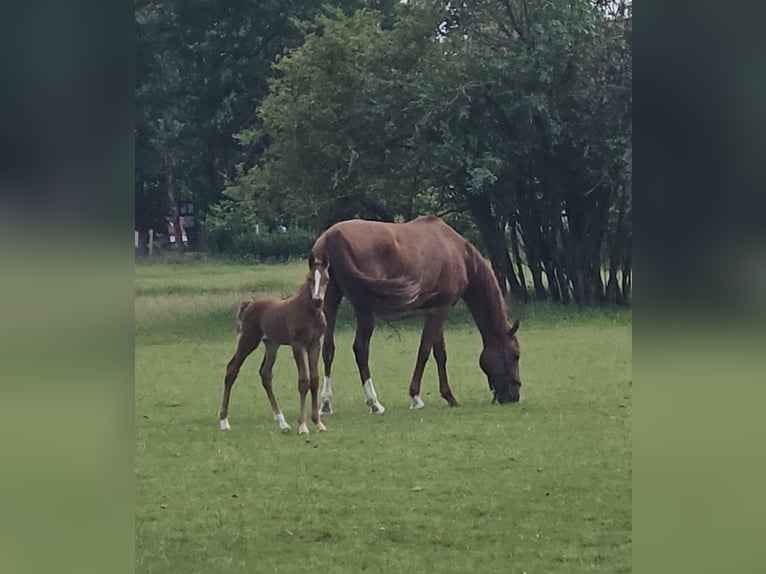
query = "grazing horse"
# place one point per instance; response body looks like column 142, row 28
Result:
column 298, row 322
column 422, row 267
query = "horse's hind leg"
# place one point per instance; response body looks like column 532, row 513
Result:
column 303, row 387
column 332, row 298
column 266, row 377
column 313, row 355
column 248, row 341
column 365, row 324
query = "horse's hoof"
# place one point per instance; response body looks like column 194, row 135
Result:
column 303, row 429
column 377, row 408
column 286, row 429
column 417, row 403
column 326, row 408
column 321, row 428
column 225, row 424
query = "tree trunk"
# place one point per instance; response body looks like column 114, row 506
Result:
column 563, row 285
column 517, row 256
column 493, row 237
column 553, row 286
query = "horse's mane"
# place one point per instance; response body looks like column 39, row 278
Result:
column 483, row 297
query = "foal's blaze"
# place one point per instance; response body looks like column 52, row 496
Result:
column 317, row 280
column 500, row 362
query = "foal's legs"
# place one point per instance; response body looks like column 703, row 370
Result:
column 365, row 324
column 303, row 387
column 269, row 357
column 432, row 338
column 332, row 298
column 313, row 354
column 246, row 344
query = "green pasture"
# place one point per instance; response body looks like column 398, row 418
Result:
column 542, row 486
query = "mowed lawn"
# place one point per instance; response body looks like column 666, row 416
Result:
column 541, row 486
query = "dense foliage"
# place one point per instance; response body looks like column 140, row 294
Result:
column 512, row 119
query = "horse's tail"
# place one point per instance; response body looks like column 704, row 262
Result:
column 393, row 297
column 242, row 307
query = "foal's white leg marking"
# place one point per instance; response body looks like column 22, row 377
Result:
column 303, row 428
column 417, row 403
column 225, row 424
column 321, row 427
column 372, row 398
column 326, row 396
column 280, row 418
column 317, row 279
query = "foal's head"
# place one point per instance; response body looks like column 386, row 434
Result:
column 500, row 362
column 317, row 280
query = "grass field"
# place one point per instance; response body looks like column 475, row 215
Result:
column 541, row 486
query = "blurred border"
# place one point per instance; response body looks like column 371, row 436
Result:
column 66, row 294
column 699, row 288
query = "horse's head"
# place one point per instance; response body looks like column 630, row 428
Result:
column 317, row 280
column 500, row 362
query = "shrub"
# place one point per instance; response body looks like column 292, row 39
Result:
column 230, row 230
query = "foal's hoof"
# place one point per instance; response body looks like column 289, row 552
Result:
column 285, row 429
column 225, row 424
column 321, row 427
column 303, row 429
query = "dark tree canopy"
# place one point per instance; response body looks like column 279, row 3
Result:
column 510, row 118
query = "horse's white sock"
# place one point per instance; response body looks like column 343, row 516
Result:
column 280, row 419
column 326, row 389
column 372, row 397
column 303, row 428
column 326, row 396
column 225, row 424
column 417, row 403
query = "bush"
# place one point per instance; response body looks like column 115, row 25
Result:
column 229, row 230
column 262, row 247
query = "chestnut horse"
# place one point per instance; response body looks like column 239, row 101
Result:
column 422, row 267
column 298, row 322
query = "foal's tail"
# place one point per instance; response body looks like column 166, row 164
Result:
column 242, row 307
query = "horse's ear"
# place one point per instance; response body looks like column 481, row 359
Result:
column 514, row 328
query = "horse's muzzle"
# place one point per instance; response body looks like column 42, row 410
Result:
column 318, row 303
column 512, row 396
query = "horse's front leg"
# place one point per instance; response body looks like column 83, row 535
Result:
column 440, row 355
column 365, row 324
column 332, row 298
column 433, row 331
column 313, row 355
column 303, row 387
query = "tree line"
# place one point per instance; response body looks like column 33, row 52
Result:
column 510, row 119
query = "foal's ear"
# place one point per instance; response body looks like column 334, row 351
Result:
column 514, row 328
column 321, row 260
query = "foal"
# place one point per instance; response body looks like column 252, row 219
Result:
column 299, row 322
